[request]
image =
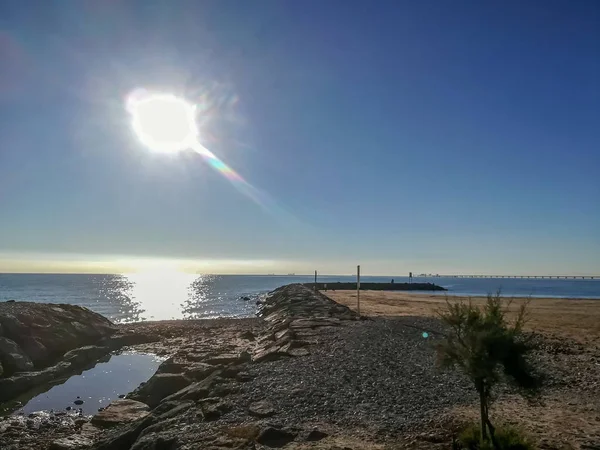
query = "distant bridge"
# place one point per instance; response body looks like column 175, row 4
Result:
column 557, row 277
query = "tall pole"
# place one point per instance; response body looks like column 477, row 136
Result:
column 358, row 289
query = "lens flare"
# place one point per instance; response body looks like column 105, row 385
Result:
column 164, row 122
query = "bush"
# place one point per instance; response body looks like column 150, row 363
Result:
column 508, row 438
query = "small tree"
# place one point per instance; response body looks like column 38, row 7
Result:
column 488, row 349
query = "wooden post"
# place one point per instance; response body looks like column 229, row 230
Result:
column 358, row 289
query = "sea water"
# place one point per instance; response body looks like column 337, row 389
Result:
column 128, row 298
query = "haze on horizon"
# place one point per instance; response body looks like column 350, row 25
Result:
column 403, row 136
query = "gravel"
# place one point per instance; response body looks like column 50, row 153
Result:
column 379, row 374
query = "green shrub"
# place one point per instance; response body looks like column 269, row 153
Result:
column 508, row 438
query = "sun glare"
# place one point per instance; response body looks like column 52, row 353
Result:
column 163, row 122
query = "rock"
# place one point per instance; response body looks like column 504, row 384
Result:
column 199, row 371
column 121, row 395
column 197, row 391
column 36, row 350
column 1, row 369
column 13, row 358
column 73, row 442
column 245, row 298
column 121, row 412
column 315, row 435
column 158, row 387
column 78, row 402
column 124, row 437
column 172, row 365
column 50, row 330
column 298, row 352
column 85, row 355
column 244, row 377
column 227, row 358
column 275, row 437
column 248, row 335
column 166, row 410
column 261, row 408
column 268, row 354
column 213, row 409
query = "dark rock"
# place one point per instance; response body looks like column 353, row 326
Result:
column 244, row 377
column 248, row 335
column 315, row 435
column 158, row 387
column 78, row 402
column 172, row 365
column 73, row 442
column 167, row 410
column 275, row 437
column 121, row 395
column 223, row 359
column 199, row 371
column 199, row 390
column 36, row 350
column 261, row 408
column 120, row 412
column 245, row 298
column 50, row 330
column 85, row 355
column 124, row 437
column 213, row 410
column 13, row 358
column 268, row 354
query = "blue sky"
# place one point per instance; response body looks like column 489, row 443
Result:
column 450, row 137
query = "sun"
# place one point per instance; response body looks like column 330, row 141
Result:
column 163, row 122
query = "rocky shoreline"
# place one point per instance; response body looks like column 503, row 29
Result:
column 309, row 373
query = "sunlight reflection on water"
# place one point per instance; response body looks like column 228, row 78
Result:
column 170, row 295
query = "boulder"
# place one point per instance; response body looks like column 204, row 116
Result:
column 199, row 371
column 84, row 355
column 120, row 412
column 275, row 437
column 197, row 391
column 315, row 435
column 261, row 408
column 13, row 358
column 43, row 332
column 158, row 387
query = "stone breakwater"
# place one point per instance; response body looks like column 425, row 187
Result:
column 339, row 286
column 307, row 373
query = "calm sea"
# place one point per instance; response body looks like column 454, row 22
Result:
column 127, row 298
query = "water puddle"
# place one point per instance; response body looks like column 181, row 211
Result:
column 95, row 387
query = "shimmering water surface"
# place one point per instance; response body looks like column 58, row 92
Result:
column 157, row 296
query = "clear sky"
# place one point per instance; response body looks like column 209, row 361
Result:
column 436, row 136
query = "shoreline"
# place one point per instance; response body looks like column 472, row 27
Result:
column 308, row 373
column 573, row 318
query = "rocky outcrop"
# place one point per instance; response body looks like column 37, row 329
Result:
column 34, row 335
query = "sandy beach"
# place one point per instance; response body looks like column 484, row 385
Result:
column 576, row 319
